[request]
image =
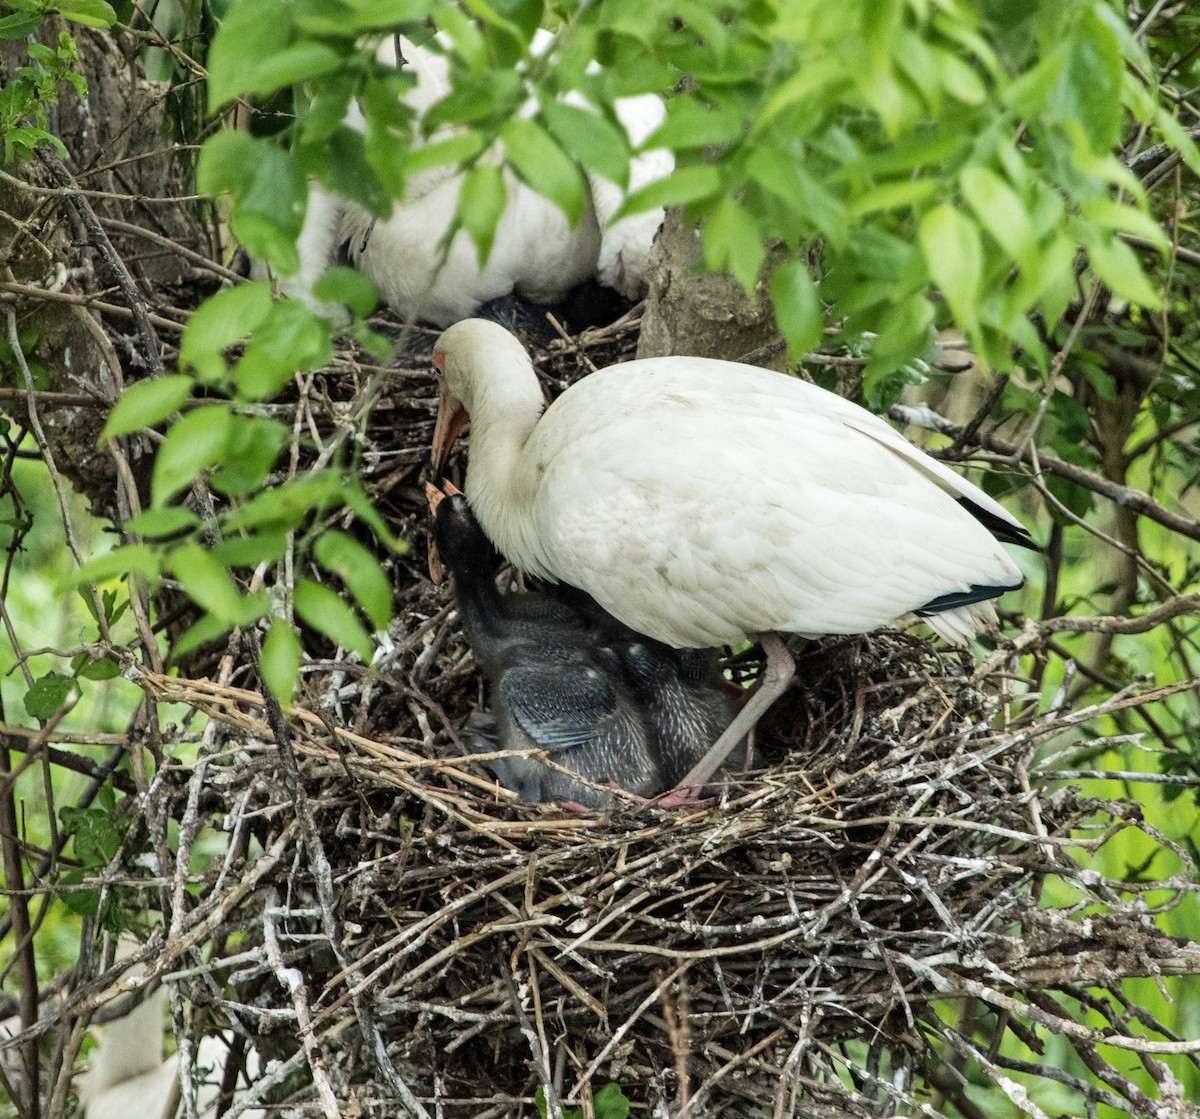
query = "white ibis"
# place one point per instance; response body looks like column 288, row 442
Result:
column 553, row 685
column 536, row 252
column 706, row 502
column 129, row 1077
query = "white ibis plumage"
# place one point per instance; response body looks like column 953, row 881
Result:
column 536, row 252
column 705, row 502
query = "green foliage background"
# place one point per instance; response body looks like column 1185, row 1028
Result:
column 883, row 170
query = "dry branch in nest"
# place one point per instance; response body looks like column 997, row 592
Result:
column 854, row 930
column 862, row 913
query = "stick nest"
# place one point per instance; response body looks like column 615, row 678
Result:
column 396, row 935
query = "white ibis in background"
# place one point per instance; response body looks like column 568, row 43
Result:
column 552, row 684
column 706, row 502
column 129, row 1077
column 536, row 252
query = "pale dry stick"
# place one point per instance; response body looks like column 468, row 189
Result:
column 732, row 1062
column 1140, row 502
column 10, row 290
column 572, row 344
column 190, row 255
column 810, row 1018
column 1054, row 1023
column 541, row 1058
column 624, row 1028
column 1035, row 633
column 69, row 193
column 99, row 240
column 323, row 880
column 292, row 980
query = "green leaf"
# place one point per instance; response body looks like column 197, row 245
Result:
column 892, row 196
column 298, row 63
column 340, row 163
column 457, row 149
column 194, row 443
column 350, row 287
column 545, row 167
column 776, row 172
column 20, row 25
column 481, row 205
column 954, row 256
column 1000, row 212
column 219, row 322
column 269, row 192
column 1088, row 89
column 691, row 124
column 591, row 138
column 903, row 333
column 290, row 340
column 130, row 559
column 364, row 508
column 321, row 609
column 358, row 568
column 157, row 523
column 958, row 79
column 48, row 694
column 96, row 834
column 99, row 668
column 207, row 583
column 610, row 1103
column 147, row 403
column 207, row 629
column 731, row 240
column 280, row 661
column 249, row 551
column 1117, row 216
column 285, row 508
column 250, row 35
column 682, row 186
column 1176, row 135
column 252, row 444
column 85, row 903
column 90, row 13
column 1118, row 266
column 797, row 307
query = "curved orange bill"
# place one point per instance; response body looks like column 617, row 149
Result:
column 434, row 495
column 451, row 419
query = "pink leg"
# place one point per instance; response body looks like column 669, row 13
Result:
column 779, row 672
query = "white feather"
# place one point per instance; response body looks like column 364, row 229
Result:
column 536, row 252
column 702, row 502
column 130, row 1079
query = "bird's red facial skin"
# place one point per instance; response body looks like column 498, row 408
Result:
column 439, row 359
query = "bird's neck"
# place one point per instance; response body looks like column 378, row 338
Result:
column 501, row 476
column 479, row 605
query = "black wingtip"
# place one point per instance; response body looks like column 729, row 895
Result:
column 976, row 593
column 1004, row 531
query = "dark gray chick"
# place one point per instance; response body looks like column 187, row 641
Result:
column 552, row 684
column 683, row 698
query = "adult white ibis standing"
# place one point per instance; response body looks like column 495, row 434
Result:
column 705, row 502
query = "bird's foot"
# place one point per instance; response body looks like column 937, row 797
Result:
column 682, row 796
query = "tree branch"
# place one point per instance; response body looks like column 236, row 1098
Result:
column 1135, row 500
